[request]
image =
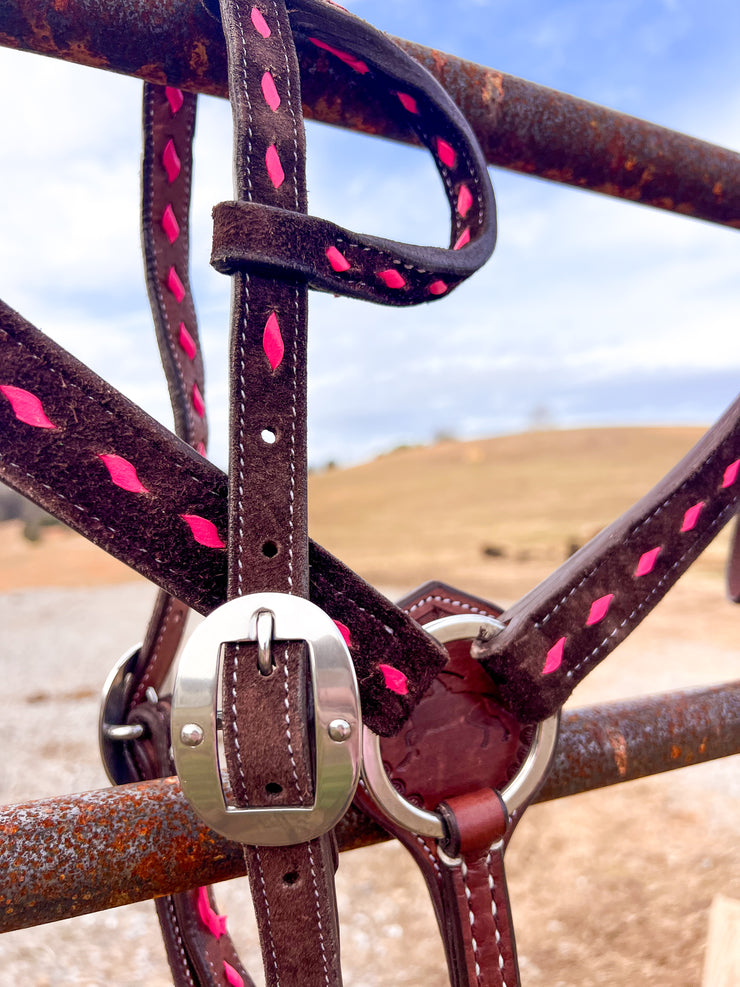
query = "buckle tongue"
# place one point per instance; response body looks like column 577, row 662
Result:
column 335, row 699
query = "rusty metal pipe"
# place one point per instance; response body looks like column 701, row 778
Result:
column 521, row 126
column 67, row 856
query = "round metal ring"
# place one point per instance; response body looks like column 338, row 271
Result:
column 515, row 794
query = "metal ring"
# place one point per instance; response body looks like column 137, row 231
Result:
column 515, row 794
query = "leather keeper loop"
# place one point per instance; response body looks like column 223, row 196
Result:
column 251, row 236
column 474, row 822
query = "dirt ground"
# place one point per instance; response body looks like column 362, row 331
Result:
column 610, row 887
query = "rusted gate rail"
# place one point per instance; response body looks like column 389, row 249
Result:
column 82, row 853
column 77, row 854
column 520, row 125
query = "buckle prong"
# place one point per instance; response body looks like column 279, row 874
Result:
column 265, row 628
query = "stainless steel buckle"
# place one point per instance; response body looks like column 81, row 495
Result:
column 515, row 794
column 337, row 720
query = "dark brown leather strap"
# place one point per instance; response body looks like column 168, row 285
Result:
column 555, row 635
column 55, row 432
column 163, row 509
column 457, row 748
column 266, row 725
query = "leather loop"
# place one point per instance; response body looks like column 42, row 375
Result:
column 249, row 236
column 474, row 821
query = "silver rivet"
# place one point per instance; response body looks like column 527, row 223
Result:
column 192, row 735
column 340, row 730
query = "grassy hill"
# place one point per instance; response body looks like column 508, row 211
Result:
column 492, row 516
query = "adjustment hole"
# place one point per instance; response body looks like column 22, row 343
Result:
column 291, row 877
column 269, row 437
column 269, row 549
column 272, row 788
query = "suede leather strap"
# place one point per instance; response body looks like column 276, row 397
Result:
column 266, row 722
column 59, row 467
column 568, row 624
column 165, row 513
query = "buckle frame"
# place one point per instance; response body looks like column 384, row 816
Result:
column 515, row 794
column 195, row 720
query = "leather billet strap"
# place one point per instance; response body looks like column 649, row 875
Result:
column 458, row 748
column 556, row 634
column 266, row 726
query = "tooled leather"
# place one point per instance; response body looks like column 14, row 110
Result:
column 266, row 723
column 457, row 747
column 60, row 469
column 557, row 633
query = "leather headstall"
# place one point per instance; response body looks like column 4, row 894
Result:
column 302, row 676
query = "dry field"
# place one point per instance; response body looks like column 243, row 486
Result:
column 608, row 888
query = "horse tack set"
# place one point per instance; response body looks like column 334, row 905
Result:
column 304, row 690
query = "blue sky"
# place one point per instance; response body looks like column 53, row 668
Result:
column 592, row 311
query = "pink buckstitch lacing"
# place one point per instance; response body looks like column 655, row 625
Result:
column 344, row 631
column 187, row 342
column 274, row 167
column 272, row 341
column 175, row 98
column 171, row 161
column 691, row 517
column 269, row 91
column 437, row 288
column 346, row 57
column 464, row 201
column 446, row 153
column 260, row 24
column 408, row 102
column 198, row 402
column 215, row 923
column 337, row 260
column 175, row 284
column 647, row 561
column 599, row 609
column 169, row 224
column 123, row 473
column 232, row 975
column 392, row 278
column 203, row 531
column 554, row 657
column 395, row 680
column 462, row 239
column 731, row 474
column 26, row 406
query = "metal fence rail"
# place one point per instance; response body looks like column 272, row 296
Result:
column 521, row 126
column 82, row 853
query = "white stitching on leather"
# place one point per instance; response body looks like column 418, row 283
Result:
column 178, row 937
column 298, row 786
column 494, row 912
column 454, row 603
column 318, row 917
column 471, row 916
column 263, row 888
